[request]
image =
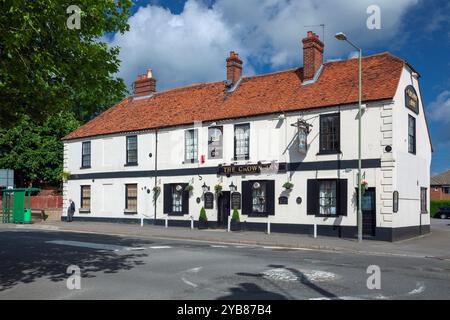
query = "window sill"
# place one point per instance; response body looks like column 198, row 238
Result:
column 189, row 161
column 176, row 214
column 129, row 212
column 323, row 153
column 83, row 211
column 258, row 215
column 240, row 158
column 131, row 164
column 87, row 167
column 328, row 216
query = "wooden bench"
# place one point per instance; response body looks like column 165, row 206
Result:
column 38, row 214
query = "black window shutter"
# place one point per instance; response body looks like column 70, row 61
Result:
column 312, row 201
column 185, row 199
column 270, row 197
column 167, row 193
column 342, row 197
column 246, row 197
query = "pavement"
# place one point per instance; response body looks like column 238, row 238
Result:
column 434, row 245
column 55, row 264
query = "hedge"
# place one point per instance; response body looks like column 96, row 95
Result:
column 436, row 204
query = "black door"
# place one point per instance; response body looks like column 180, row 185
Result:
column 223, row 209
column 369, row 212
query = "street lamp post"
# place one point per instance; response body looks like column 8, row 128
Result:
column 341, row 36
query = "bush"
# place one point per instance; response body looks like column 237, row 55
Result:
column 203, row 216
column 235, row 215
column 436, row 204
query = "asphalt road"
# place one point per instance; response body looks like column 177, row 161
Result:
column 34, row 266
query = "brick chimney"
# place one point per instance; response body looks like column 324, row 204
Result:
column 312, row 55
column 234, row 68
column 145, row 84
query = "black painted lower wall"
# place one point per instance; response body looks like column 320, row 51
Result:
column 382, row 234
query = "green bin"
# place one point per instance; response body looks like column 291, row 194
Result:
column 27, row 216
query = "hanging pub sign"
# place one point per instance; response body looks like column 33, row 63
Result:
column 302, row 141
column 236, row 200
column 303, row 129
column 209, row 200
column 411, row 99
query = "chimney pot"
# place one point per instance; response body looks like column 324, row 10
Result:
column 145, row 84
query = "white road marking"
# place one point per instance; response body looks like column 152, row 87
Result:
column 191, row 272
column 189, row 283
column 194, row 270
column 103, row 246
column 420, row 288
column 218, row 246
column 91, row 245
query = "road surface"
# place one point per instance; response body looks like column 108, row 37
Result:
column 34, row 265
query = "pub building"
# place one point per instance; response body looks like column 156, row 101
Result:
column 279, row 147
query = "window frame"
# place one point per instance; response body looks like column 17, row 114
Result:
column 336, row 197
column 247, row 155
column 322, row 149
column 82, row 198
column 414, row 137
column 212, row 145
column 86, row 155
column 262, row 184
column 128, row 162
column 194, row 146
column 127, row 198
column 174, row 191
column 423, row 200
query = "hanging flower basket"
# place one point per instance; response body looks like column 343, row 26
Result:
column 218, row 189
column 364, row 186
column 288, row 185
column 189, row 188
column 156, row 192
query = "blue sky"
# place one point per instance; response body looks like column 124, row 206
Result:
column 186, row 41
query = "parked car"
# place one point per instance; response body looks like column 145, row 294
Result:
column 444, row 213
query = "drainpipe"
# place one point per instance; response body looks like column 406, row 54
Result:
column 156, row 171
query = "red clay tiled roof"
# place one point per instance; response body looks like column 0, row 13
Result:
column 256, row 95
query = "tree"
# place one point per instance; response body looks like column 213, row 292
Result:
column 35, row 152
column 47, row 67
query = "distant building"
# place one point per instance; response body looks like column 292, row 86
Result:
column 440, row 186
column 252, row 136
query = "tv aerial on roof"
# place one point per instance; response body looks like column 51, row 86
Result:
column 318, row 25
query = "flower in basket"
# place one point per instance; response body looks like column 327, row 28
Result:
column 218, row 188
column 364, row 186
column 288, row 185
column 189, row 188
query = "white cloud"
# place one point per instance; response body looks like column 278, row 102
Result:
column 191, row 46
column 439, row 109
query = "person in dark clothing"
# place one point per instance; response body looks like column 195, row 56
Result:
column 70, row 210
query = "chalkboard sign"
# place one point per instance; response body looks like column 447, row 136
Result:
column 236, row 200
column 283, row 200
column 209, row 200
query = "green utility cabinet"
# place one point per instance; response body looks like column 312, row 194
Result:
column 16, row 205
